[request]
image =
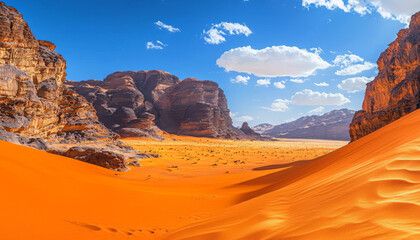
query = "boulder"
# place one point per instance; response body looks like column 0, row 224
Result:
column 98, row 156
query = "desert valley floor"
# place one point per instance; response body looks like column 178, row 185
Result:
column 221, row 189
column 52, row 197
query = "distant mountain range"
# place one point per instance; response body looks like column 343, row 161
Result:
column 332, row 125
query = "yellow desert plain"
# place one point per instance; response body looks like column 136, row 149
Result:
column 221, row 189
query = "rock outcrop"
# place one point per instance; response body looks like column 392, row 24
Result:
column 395, row 91
column 332, row 125
column 140, row 104
column 98, row 156
column 251, row 134
column 34, row 103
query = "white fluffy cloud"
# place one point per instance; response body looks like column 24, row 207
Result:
column 170, row 28
column 263, row 82
column 310, row 98
column 155, row 45
column 240, row 79
column 355, row 84
column 297, row 80
column 279, row 105
column 347, row 59
column 279, row 85
column 235, row 117
column 216, row 34
column 322, row 84
column 355, row 69
column 276, row 61
column 244, row 118
column 400, row 10
column 351, row 64
column 317, row 110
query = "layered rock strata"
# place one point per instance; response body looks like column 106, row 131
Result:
column 395, row 91
column 140, row 104
column 34, row 104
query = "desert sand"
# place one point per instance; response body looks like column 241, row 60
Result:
column 368, row 189
column 46, row 196
column 221, row 189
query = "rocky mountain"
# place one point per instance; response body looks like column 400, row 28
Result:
column 142, row 103
column 395, row 91
column 261, row 128
column 35, row 105
column 332, row 125
column 251, row 134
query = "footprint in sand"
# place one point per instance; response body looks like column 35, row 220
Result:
column 88, row 226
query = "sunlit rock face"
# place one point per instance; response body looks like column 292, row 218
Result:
column 33, row 100
column 395, row 91
column 144, row 102
column 36, row 109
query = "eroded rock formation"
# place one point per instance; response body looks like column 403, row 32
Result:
column 140, row 104
column 395, row 91
column 34, row 103
column 251, row 134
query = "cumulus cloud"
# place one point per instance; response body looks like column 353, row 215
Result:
column 279, row 105
column 347, row 59
column 240, row 79
column 170, row 28
column 243, row 118
column 355, row 69
column 279, row 85
column 216, row 34
column 155, row 45
column 351, row 64
column 399, row 10
column 263, row 82
column 355, row 84
column 297, row 80
column 322, row 84
column 310, row 98
column 317, row 110
column 235, row 117
column 276, row 61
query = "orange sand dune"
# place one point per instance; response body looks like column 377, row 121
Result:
column 369, row 189
column 45, row 196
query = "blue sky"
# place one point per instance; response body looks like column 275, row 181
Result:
column 327, row 42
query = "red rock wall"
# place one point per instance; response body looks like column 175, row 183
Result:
column 395, row 91
column 140, row 103
column 33, row 100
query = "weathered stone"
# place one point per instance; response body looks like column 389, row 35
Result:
column 98, row 156
column 34, row 103
column 395, row 91
column 159, row 100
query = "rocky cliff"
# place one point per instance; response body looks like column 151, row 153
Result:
column 140, row 104
column 332, row 125
column 395, row 91
column 34, row 104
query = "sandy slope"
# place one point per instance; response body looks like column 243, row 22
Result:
column 45, row 196
column 198, row 190
column 369, row 189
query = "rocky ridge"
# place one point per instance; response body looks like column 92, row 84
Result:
column 36, row 109
column 144, row 103
column 395, row 91
column 332, row 125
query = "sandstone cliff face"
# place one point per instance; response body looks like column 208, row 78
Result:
column 395, row 91
column 140, row 104
column 33, row 100
column 34, row 103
